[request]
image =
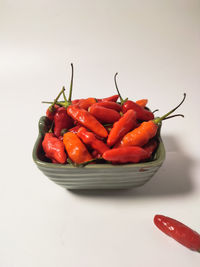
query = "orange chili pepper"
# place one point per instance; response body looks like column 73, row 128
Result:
column 147, row 130
column 142, row 102
column 86, row 103
column 76, row 150
column 87, row 119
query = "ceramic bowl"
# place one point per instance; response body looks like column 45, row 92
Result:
column 96, row 176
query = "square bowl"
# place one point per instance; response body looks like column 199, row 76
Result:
column 96, row 176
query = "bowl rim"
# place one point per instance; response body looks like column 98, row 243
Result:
column 40, row 163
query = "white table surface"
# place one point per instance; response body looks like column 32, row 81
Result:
column 154, row 45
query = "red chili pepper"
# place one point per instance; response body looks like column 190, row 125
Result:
column 96, row 154
column 150, row 147
column 104, row 115
column 54, row 148
column 53, row 108
column 110, row 105
column 141, row 113
column 89, row 139
column 50, row 113
column 178, row 231
column 61, row 121
column 86, row 119
column 74, row 129
column 147, row 130
column 125, row 124
column 112, row 98
column 132, row 154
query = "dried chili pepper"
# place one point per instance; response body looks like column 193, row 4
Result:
column 104, row 115
column 141, row 113
column 125, row 124
column 178, row 231
column 112, row 98
column 86, row 119
column 62, row 121
column 147, row 130
column 76, row 150
column 89, row 139
column 54, row 148
column 132, row 154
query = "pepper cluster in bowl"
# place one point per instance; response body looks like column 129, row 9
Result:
column 84, row 131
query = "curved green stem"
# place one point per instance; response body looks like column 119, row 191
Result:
column 176, row 115
column 71, row 84
column 158, row 120
column 121, row 99
column 56, row 99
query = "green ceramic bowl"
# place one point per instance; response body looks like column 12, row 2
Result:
column 96, row 176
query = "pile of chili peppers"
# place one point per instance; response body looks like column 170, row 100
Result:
column 87, row 130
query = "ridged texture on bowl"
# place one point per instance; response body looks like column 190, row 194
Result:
column 96, row 176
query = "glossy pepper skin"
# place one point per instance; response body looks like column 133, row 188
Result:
column 178, row 231
column 89, row 139
column 132, row 154
column 140, row 135
column 110, row 105
column 86, row 103
column 150, row 147
column 51, row 111
column 142, row 102
column 76, row 150
column 125, row 124
column 86, row 119
column 112, row 98
column 104, row 115
column 141, row 113
column 61, row 121
column 54, row 148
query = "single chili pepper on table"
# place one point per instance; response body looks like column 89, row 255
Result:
column 76, row 150
column 89, row 139
column 147, row 130
column 178, row 231
column 141, row 113
column 54, row 148
column 87, row 120
column 131, row 154
column 125, row 124
column 104, row 115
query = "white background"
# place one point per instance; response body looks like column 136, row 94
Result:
column 155, row 47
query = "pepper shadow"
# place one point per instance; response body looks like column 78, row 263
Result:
column 173, row 178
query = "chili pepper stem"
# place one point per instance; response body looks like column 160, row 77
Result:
column 177, row 115
column 121, row 99
column 71, row 84
column 158, row 120
column 56, row 99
